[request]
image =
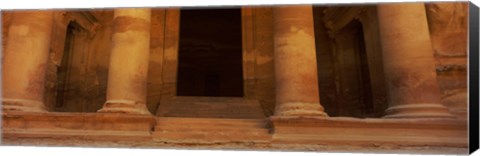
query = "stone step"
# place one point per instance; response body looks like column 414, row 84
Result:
column 253, row 123
column 207, row 106
column 210, row 107
column 208, row 138
column 211, row 130
column 211, row 99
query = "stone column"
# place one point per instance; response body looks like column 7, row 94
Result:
column 25, row 61
column 408, row 61
column 295, row 62
column 127, row 77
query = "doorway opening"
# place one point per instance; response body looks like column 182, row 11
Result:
column 354, row 82
column 63, row 73
column 69, row 93
column 210, row 53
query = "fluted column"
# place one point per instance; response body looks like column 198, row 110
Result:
column 25, row 61
column 295, row 62
column 409, row 64
column 127, row 77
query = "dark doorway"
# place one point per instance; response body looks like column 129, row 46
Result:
column 353, row 72
column 69, row 96
column 210, row 53
column 63, row 71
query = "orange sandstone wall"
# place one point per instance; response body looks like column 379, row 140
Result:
column 258, row 53
column 448, row 23
column 6, row 18
column 154, row 80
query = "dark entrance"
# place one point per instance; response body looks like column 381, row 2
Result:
column 210, row 53
column 63, row 71
column 344, row 75
column 353, row 72
column 70, row 95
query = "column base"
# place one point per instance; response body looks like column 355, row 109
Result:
column 124, row 106
column 22, row 105
column 418, row 111
column 300, row 109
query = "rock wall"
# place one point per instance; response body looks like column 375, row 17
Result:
column 258, row 63
column 154, row 80
column 448, row 24
column 6, row 19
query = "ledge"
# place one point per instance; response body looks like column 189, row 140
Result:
column 337, row 134
column 370, row 132
column 96, row 126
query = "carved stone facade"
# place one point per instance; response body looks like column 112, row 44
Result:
column 383, row 77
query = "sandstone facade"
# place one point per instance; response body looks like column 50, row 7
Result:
column 372, row 77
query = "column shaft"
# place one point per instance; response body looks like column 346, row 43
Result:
column 25, row 61
column 127, row 77
column 409, row 62
column 295, row 62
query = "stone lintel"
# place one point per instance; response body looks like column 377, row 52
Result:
column 370, row 132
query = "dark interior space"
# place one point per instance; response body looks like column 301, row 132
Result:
column 343, row 69
column 64, row 71
column 64, row 68
column 365, row 83
column 325, row 64
column 355, row 94
column 210, row 53
column 70, row 87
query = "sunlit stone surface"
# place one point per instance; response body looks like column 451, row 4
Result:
column 344, row 78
